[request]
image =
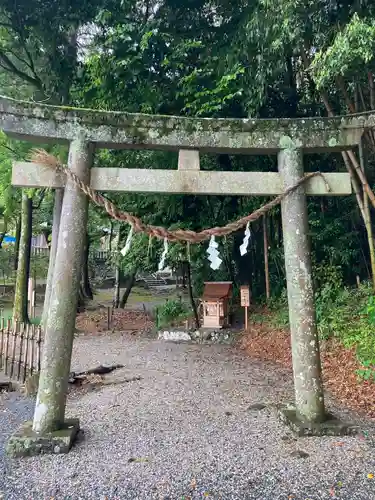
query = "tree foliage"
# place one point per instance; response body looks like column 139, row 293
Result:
column 264, row 58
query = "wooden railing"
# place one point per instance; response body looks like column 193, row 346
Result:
column 20, row 349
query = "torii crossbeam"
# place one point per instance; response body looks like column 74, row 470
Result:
column 87, row 130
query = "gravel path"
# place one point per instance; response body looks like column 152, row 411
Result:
column 184, row 431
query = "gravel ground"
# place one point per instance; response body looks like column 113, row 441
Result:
column 185, row 430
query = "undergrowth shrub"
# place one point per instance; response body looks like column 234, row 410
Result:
column 347, row 314
column 279, row 307
column 173, row 311
column 350, row 317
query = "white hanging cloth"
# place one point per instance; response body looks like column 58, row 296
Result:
column 245, row 243
column 125, row 250
column 213, row 254
column 163, row 255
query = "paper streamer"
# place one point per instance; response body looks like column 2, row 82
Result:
column 125, row 250
column 164, row 255
column 245, row 243
column 149, row 246
column 213, row 254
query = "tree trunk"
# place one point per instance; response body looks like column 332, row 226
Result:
column 4, row 232
column 59, row 195
column 128, row 289
column 354, row 167
column 17, row 244
column 266, row 266
column 20, row 312
column 367, row 214
column 2, row 236
column 110, row 237
column 86, row 287
column 192, row 301
column 116, row 290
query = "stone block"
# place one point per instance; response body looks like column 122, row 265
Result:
column 174, row 336
column 26, row 443
column 331, row 426
column 188, row 160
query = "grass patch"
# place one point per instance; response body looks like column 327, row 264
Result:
column 137, row 295
column 7, row 314
column 172, row 313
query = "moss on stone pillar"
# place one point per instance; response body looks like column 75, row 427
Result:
column 59, row 330
column 304, row 336
column 59, row 194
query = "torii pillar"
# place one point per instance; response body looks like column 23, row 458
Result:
column 308, row 385
column 50, row 432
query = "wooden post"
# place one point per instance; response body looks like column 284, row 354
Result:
column 26, row 356
column 108, row 318
column 245, row 302
column 308, row 384
column 59, row 330
column 6, row 352
column 31, row 296
column 2, row 353
column 32, row 348
column 33, row 303
column 16, row 327
column 20, row 353
column 266, row 266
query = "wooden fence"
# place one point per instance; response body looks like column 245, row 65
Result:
column 20, row 349
column 39, row 251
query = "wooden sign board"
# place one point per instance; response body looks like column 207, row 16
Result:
column 245, row 296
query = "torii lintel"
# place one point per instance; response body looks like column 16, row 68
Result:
column 111, row 129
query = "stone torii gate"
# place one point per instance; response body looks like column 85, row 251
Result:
column 88, row 130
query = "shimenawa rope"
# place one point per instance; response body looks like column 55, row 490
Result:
column 42, row 157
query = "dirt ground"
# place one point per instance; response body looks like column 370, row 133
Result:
column 140, row 299
column 182, row 421
column 339, row 365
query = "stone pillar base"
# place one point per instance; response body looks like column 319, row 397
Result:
column 331, row 426
column 26, row 443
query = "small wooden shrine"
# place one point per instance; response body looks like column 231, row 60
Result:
column 215, row 302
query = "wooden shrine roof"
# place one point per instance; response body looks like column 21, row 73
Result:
column 215, row 290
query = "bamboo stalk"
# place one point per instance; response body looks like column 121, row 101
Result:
column 22, row 336
column 367, row 217
column 14, row 345
column 330, row 113
column 361, row 95
column 31, row 341
column 362, row 177
column 7, row 334
column 25, row 365
column 341, row 85
column 372, row 89
column 353, row 159
column 355, row 184
column 2, row 341
column 266, row 265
